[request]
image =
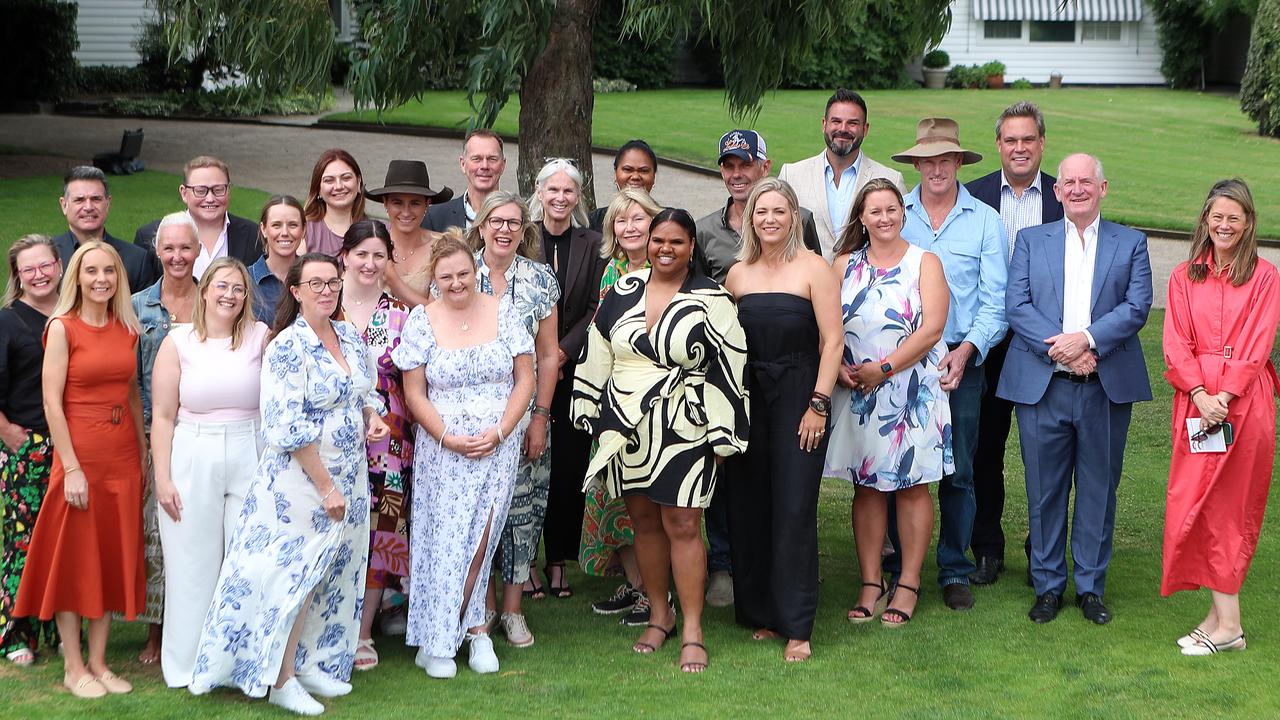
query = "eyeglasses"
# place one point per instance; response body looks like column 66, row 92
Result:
column 317, row 285
column 1203, row 435
column 549, row 160
column 511, row 224
column 200, row 191
column 46, row 267
column 239, row 291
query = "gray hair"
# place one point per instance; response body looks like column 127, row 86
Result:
column 85, row 172
column 1098, row 174
column 553, row 166
column 180, row 219
column 1026, row 109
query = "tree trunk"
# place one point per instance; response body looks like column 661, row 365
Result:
column 556, row 98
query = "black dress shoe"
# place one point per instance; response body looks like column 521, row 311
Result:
column 1092, row 608
column 1046, row 608
column 957, row 596
column 989, row 569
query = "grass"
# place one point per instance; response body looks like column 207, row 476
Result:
column 1162, row 149
column 989, row 662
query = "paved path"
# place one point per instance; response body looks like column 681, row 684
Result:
column 278, row 158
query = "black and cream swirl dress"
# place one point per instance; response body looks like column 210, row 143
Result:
column 665, row 401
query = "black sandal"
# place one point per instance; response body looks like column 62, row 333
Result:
column 536, row 591
column 862, row 613
column 903, row 615
column 644, row 648
column 688, row 666
column 562, row 591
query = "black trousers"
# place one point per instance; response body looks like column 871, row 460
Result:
column 772, row 494
column 570, row 452
column 988, row 460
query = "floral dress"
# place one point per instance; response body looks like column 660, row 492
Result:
column 899, row 435
column 533, row 293
column 286, row 550
column 455, row 498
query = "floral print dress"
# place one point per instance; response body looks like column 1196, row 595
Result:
column 286, row 550
column 899, row 435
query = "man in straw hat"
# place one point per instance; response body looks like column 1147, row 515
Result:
column 943, row 218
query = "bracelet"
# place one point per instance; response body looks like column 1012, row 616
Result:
column 820, row 396
column 544, row 412
column 1195, row 390
column 501, row 438
column 68, row 470
column 326, row 495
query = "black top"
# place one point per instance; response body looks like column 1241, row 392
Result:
column 140, row 266
column 595, row 218
column 21, row 359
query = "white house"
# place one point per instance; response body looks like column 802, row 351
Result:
column 1099, row 42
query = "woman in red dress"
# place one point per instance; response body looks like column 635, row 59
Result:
column 1223, row 307
column 85, row 559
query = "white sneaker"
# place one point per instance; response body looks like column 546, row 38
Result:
column 294, row 698
column 442, row 668
column 516, row 630
column 720, row 589
column 318, row 683
column 482, row 660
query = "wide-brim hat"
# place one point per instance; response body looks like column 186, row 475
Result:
column 934, row 137
column 409, row 177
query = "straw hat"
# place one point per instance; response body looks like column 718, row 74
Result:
column 409, row 177
column 934, row 137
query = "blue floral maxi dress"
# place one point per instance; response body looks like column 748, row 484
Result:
column 899, row 435
column 455, row 497
column 286, row 548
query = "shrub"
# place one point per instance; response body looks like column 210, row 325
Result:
column 107, row 79
column 606, row 85
column 966, row 76
column 1260, row 89
column 39, row 38
column 1182, row 40
column 870, row 51
column 936, row 59
column 633, row 59
column 154, row 61
column 1021, row 84
column 995, row 67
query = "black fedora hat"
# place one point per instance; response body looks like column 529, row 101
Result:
column 409, row 177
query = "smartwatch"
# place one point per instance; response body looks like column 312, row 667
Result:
column 887, row 369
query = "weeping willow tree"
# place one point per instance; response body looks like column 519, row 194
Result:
column 538, row 50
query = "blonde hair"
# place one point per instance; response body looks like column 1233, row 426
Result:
column 609, row 247
column 13, row 289
column 205, row 161
column 751, row 250
column 199, row 323
column 531, row 239
column 450, row 243
column 1244, row 257
column 71, row 297
column 578, row 217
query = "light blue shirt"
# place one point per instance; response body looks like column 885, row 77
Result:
column 971, row 246
column 840, row 199
column 1016, row 212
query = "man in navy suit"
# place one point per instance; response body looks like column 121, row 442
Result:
column 1079, row 291
column 482, row 162
column 1023, row 195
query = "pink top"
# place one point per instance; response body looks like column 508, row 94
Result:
column 218, row 384
column 321, row 239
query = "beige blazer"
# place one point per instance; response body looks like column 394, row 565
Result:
column 806, row 178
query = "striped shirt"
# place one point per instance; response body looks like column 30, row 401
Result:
column 1019, row 212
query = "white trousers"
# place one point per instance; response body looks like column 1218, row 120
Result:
column 211, row 467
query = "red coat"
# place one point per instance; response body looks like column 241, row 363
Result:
column 1220, row 337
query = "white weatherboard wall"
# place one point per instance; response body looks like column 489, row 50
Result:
column 107, row 29
column 1133, row 60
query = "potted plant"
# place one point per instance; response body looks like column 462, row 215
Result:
column 994, row 72
column 935, row 69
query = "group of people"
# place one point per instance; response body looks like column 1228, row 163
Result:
column 286, row 426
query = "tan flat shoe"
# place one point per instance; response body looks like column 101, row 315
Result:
column 88, row 688
column 114, row 684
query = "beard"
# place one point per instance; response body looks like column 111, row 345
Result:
column 842, row 146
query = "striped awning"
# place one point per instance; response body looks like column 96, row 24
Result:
column 1089, row 10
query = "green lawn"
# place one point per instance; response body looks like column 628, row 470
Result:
column 1162, row 149
column 990, row 662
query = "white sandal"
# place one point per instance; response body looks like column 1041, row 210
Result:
column 366, row 656
column 22, row 657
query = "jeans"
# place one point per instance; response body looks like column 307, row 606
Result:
column 717, row 519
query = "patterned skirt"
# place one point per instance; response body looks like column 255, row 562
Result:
column 24, row 477
column 518, row 548
column 606, row 526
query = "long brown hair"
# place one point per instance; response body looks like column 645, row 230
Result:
column 240, row 327
column 315, row 205
column 1245, row 257
column 13, row 289
column 287, row 309
column 855, row 236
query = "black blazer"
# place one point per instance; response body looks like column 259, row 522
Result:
column 242, row 239
column 446, row 215
column 987, row 189
column 141, row 267
column 581, row 293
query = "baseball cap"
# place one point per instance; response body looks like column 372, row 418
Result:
column 746, row 144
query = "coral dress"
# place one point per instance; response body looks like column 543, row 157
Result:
column 1220, row 337
column 90, row 561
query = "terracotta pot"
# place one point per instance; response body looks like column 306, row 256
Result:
column 995, row 82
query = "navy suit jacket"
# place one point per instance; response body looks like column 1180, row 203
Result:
column 446, row 215
column 242, row 239
column 142, row 268
column 1120, row 303
column 987, row 189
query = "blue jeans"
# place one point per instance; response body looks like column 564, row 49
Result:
column 717, row 519
column 956, row 504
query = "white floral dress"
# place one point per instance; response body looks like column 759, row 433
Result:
column 455, row 497
column 286, row 548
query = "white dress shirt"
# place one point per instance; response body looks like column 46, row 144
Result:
column 1020, row 212
column 206, row 257
column 1077, row 280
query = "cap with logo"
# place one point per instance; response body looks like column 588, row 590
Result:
column 746, row 144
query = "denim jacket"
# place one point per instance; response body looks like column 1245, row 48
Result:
column 155, row 323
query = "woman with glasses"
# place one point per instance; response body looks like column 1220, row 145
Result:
column 1224, row 306
column 366, row 254
column 507, row 267
column 285, row 614
column 281, row 234
column 204, row 446
column 335, row 200
column 26, row 454
column 407, row 194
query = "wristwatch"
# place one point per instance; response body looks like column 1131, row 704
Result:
column 820, row 405
column 887, row 369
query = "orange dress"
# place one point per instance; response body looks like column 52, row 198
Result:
column 90, row 561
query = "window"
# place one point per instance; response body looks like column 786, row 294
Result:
column 1100, row 32
column 1053, row 31
column 1002, row 30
